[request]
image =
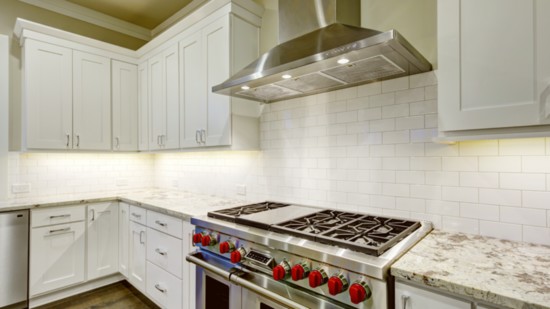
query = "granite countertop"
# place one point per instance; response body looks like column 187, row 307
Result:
column 176, row 203
column 496, row 271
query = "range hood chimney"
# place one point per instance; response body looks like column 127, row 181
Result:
column 322, row 48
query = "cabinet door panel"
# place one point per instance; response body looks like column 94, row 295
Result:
column 56, row 257
column 216, row 42
column 137, row 255
column 48, row 95
column 542, row 9
column 157, row 104
column 102, row 246
column 123, row 238
column 92, row 102
column 171, row 139
column 188, row 268
column 193, row 84
column 409, row 297
column 143, row 103
column 125, row 106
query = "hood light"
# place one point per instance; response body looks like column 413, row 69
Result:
column 287, row 76
column 245, row 87
column 343, row 61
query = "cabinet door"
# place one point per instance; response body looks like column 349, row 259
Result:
column 125, row 106
column 102, row 246
column 485, row 80
column 57, row 255
column 47, row 95
column 193, row 84
column 409, row 297
column 143, row 108
column 188, row 268
column 123, row 237
column 92, row 102
column 137, row 255
column 171, row 138
column 157, row 103
column 215, row 38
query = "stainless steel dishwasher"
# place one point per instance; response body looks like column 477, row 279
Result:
column 14, row 259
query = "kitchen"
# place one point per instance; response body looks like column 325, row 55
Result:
column 375, row 148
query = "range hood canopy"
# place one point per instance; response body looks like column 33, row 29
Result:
column 332, row 54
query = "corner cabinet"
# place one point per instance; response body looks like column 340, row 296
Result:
column 494, row 71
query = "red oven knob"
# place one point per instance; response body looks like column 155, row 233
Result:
column 197, row 238
column 299, row 271
column 359, row 291
column 281, row 271
column 317, row 277
column 208, row 240
column 237, row 255
column 226, row 247
column 337, row 284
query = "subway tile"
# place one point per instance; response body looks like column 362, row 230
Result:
column 460, row 164
column 370, row 188
column 500, row 197
column 382, row 201
column 536, row 199
column 436, row 220
column 500, row 164
column 358, row 104
column 382, row 125
column 346, row 140
column 536, row 235
column 369, row 114
column 460, row 194
column 383, row 176
column 423, row 135
column 385, row 99
column 479, row 148
column 479, row 211
column 522, row 215
column 425, row 192
column 535, row 164
column 462, row 225
column 405, row 123
column 479, row 180
column 523, row 181
column 423, row 108
column 395, row 137
column 500, row 230
column 392, row 189
column 370, row 163
column 430, row 92
column 522, row 147
column 346, row 94
column 410, row 150
column 430, row 121
column 396, row 213
column 395, row 111
column 410, row 177
column 358, row 199
column 345, row 117
column 369, row 89
column 441, row 150
column 440, row 207
column 410, row 204
column 423, row 79
column 443, row 178
column 426, row 163
column 395, row 84
column 396, row 163
column 409, row 96
column 369, row 138
column 382, row 150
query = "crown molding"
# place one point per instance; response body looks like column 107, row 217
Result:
column 188, row 9
column 84, row 14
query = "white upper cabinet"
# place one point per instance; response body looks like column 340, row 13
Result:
column 91, row 101
column 143, row 107
column 494, row 71
column 48, row 95
column 102, row 239
column 125, row 106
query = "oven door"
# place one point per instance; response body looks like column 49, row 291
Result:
column 216, row 292
column 252, row 300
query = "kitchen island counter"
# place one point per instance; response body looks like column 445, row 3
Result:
column 494, row 271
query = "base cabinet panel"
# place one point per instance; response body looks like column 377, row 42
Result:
column 410, row 297
column 163, row 287
column 123, row 237
column 102, row 246
column 137, row 255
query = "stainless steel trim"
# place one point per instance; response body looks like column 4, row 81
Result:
column 157, row 286
column 63, row 230
column 60, row 216
column 163, row 224
column 163, row 253
column 140, row 238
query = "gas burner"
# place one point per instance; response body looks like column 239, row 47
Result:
column 231, row 214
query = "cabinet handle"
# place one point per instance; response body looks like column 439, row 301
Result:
column 203, row 136
column 163, row 224
column 136, row 215
column 60, row 230
column 60, row 216
column 68, row 140
column 543, row 98
column 158, row 140
column 117, row 142
column 78, row 141
column 140, row 238
column 197, row 136
column 404, row 301
column 163, row 253
column 93, row 214
column 157, row 286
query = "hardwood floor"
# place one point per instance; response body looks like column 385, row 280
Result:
column 120, row 295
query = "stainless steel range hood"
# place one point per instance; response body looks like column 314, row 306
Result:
column 323, row 49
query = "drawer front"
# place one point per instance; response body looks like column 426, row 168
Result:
column 166, row 224
column 165, row 251
column 163, row 287
column 58, row 215
column 138, row 215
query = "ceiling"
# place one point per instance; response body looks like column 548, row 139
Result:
column 145, row 13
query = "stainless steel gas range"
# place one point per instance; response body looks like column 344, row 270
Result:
column 276, row 255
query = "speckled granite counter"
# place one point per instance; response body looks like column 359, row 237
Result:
column 175, row 203
column 499, row 272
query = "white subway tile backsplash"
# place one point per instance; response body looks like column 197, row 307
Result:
column 395, row 111
column 463, row 225
column 369, row 89
column 395, row 137
column 410, row 177
column 522, row 215
column 392, row 189
column 426, row 163
column 422, row 80
column 410, row 95
column 522, row 147
column 479, row 180
column 523, row 181
column 424, row 107
column 536, row 199
column 500, row 197
column 410, row 204
column 382, row 125
column 537, row 235
column 501, row 230
column 443, row 178
column 479, row 148
column 409, row 150
column 460, row 194
column 426, row 192
column 385, row 99
column 500, row 164
column 440, row 207
column 395, row 84
column 455, row 164
column 405, row 123
column 535, row 164
column 479, row 211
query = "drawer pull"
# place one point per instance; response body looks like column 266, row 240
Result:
column 135, row 215
column 157, row 286
column 163, row 224
column 163, row 253
column 60, row 216
column 404, row 301
column 60, row 230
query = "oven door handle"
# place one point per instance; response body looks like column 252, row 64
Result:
column 192, row 258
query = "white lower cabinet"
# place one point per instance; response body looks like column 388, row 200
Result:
column 137, row 255
column 123, row 237
column 102, row 246
column 188, row 268
column 164, row 287
column 57, row 256
column 410, row 297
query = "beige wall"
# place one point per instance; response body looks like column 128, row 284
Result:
column 9, row 11
column 416, row 20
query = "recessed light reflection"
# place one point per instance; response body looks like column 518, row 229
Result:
column 287, row 76
column 245, row 87
column 343, row 61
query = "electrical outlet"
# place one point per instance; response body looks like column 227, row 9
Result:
column 20, row 188
column 122, row 182
column 241, row 189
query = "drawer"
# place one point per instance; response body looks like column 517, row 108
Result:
column 57, row 215
column 165, row 251
column 166, row 224
column 163, row 287
column 138, row 215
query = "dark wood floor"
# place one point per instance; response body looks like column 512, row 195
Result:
column 120, row 295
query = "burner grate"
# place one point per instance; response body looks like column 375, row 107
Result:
column 231, row 214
